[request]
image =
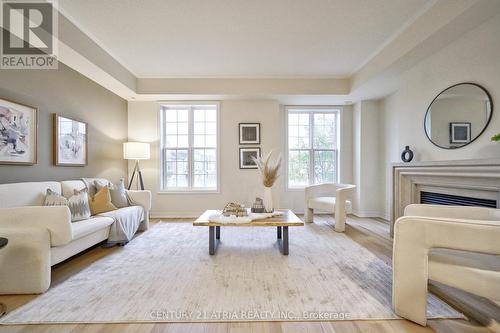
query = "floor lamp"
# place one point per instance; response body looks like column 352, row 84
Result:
column 136, row 151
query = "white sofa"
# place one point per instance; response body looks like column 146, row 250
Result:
column 42, row 236
column 456, row 246
column 331, row 198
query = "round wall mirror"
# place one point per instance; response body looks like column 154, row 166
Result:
column 458, row 115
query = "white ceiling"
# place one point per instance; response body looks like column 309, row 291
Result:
column 242, row 38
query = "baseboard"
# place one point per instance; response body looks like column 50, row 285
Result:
column 173, row 214
column 370, row 213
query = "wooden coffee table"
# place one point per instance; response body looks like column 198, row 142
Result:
column 288, row 219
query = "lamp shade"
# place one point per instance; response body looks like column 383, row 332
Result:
column 136, row 151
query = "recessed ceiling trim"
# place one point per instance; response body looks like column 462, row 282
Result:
column 393, row 37
column 96, row 40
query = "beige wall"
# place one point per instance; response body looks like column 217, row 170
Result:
column 68, row 93
column 473, row 58
column 236, row 185
column 366, row 161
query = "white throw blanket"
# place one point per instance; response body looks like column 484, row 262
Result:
column 219, row 218
column 127, row 221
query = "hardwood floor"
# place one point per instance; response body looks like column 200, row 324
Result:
column 370, row 233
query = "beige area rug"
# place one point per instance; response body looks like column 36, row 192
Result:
column 166, row 274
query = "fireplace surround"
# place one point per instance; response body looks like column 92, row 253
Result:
column 474, row 179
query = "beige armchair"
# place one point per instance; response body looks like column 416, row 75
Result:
column 331, row 198
column 456, row 246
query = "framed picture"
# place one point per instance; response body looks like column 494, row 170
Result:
column 246, row 160
column 459, row 133
column 249, row 134
column 18, row 133
column 70, row 141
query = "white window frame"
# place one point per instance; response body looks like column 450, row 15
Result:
column 313, row 110
column 162, row 130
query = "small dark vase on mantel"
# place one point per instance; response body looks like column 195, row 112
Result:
column 407, row 154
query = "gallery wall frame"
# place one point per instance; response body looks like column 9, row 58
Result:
column 70, row 141
column 246, row 154
column 18, row 133
column 249, row 133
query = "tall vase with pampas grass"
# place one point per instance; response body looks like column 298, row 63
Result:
column 269, row 172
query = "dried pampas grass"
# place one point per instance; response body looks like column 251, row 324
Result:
column 269, row 170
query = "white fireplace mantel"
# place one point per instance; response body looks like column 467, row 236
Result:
column 472, row 178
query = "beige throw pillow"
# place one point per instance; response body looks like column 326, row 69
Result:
column 101, row 202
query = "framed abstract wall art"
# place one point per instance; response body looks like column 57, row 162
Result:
column 246, row 157
column 460, row 133
column 18, row 133
column 70, row 141
column 249, row 134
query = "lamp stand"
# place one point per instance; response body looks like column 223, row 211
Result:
column 138, row 170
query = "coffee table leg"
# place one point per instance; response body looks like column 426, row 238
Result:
column 211, row 240
column 217, row 232
column 278, row 229
column 285, row 241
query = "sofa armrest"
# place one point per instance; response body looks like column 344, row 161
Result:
column 56, row 219
column 328, row 190
column 414, row 236
column 140, row 198
column 25, row 261
column 345, row 191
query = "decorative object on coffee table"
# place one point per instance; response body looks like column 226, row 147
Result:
column 70, row 141
column 269, row 172
column 136, row 151
column 3, row 308
column 234, row 209
column 18, row 133
column 249, row 134
column 258, row 206
column 407, row 155
column 496, row 138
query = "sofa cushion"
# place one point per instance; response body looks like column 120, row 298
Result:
column 90, row 184
column 86, row 227
column 326, row 204
column 69, row 187
column 26, row 194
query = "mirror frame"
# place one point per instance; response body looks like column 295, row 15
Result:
column 480, row 133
